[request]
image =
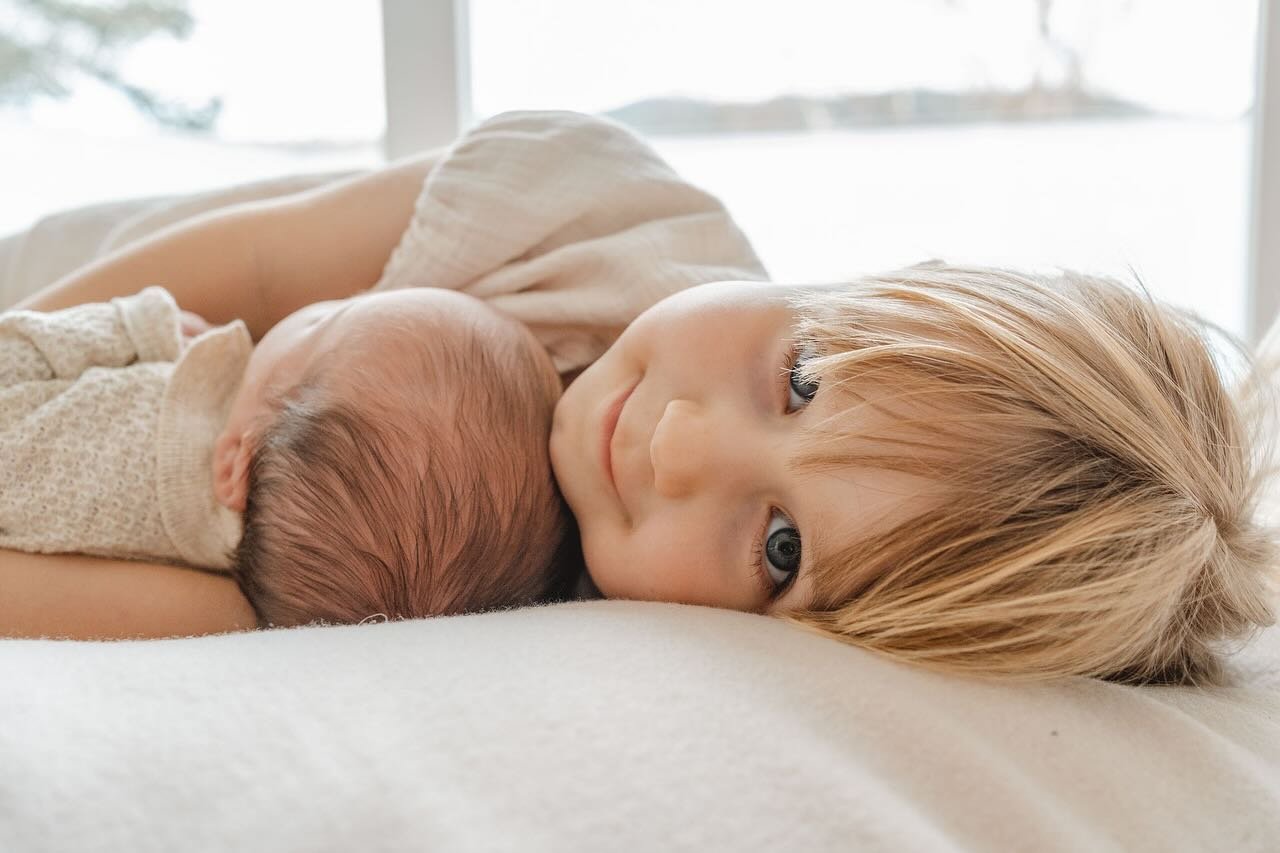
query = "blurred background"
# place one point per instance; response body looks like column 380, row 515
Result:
column 845, row 135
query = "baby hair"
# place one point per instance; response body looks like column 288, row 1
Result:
column 372, row 492
column 1095, row 480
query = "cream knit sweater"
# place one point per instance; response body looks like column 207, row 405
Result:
column 107, row 426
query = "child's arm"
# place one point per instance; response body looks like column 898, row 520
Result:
column 261, row 261
column 87, row 598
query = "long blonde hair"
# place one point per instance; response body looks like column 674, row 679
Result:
column 1098, row 480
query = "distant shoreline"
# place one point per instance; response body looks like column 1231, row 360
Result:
column 690, row 116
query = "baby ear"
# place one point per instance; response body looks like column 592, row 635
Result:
column 232, row 453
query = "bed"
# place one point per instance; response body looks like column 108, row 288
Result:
column 595, row 725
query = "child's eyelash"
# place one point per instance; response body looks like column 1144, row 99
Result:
column 757, row 560
column 790, row 361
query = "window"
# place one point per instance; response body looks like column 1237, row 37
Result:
column 851, row 137
column 296, row 86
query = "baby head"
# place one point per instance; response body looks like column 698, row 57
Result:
column 388, row 452
column 968, row 468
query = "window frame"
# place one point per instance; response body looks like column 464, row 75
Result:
column 427, row 73
column 1262, row 301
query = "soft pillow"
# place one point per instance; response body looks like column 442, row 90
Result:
column 606, row 726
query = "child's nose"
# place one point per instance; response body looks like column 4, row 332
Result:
column 688, row 452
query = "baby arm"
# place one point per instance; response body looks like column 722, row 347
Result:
column 261, row 261
column 61, row 345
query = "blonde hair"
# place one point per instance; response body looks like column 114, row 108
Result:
column 1096, row 480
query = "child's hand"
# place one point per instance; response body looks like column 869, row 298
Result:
column 192, row 325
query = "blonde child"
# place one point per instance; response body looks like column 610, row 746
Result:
column 972, row 469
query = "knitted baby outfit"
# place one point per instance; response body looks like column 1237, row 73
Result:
column 107, row 426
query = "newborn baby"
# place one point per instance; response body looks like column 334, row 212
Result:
column 378, row 455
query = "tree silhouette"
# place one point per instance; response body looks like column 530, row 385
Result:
column 50, row 42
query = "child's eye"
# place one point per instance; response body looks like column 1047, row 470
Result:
column 799, row 391
column 778, row 552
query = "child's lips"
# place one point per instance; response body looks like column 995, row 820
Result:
column 609, row 426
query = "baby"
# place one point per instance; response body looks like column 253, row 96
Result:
column 383, row 454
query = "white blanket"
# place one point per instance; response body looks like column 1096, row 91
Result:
column 607, row 726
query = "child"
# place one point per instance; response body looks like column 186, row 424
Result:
column 387, row 451
column 973, row 469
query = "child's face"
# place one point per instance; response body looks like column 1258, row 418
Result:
column 673, row 502
column 347, row 329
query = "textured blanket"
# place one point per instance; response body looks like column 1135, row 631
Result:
column 606, row 726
